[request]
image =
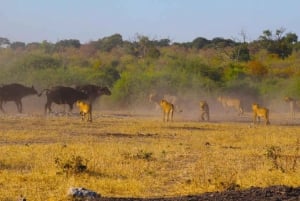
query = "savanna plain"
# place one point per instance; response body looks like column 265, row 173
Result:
column 136, row 154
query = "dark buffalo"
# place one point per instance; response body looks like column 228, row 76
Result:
column 15, row 92
column 94, row 91
column 63, row 95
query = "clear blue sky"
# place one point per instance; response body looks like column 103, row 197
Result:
column 178, row 20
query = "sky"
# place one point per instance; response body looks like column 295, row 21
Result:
column 178, row 20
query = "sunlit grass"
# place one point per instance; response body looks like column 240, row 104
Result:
column 141, row 156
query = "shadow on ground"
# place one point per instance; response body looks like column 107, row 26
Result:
column 272, row 193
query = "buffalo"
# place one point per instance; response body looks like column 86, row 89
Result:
column 15, row 92
column 93, row 91
column 63, row 95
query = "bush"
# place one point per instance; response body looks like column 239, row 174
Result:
column 38, row 62
column 257, row 69
column 72, row 165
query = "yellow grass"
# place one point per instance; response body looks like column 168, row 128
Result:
column 131, row 155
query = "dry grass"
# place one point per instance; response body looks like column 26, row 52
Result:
column 131, row 155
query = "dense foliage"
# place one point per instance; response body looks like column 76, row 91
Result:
column 132, row 69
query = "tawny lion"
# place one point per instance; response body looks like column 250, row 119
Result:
column 204, row 111
column 228, row 102
column 155, row 98
column 167, row 109
column 85, row 110
column 294, row 105
column 259, row 112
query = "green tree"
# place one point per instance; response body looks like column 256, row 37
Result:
column 241, row 53
column 162, row 42
column 47, row 47
column 221, row 42
column 108, row 43
column 144, row 43
column 67, row 43
column 277, row 43
column 200, row 42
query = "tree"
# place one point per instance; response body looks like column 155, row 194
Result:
column 291, row 38
column 108, row 43
column 67, row 43
column 17, row 45
column 47, row 47
column 162, row 42
column 144, row 44
column 241, row 53
column 221, row 42
column 147, row 47
column 4, row 42
column 200, row 42
column 277, row 43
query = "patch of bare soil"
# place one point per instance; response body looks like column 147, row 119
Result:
column 272, row 193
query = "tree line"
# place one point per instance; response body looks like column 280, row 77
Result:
column 134, row 68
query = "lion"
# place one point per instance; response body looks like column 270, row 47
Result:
column 204, row 111
column 228, row 102
column 259, row 112
column 167, row 109
column 85, row 110
column 294, row 105
column 155, row 98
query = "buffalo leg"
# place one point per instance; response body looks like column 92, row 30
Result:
column 19, row 105
column 48, row 107
column 1, row 108
column 70, row 107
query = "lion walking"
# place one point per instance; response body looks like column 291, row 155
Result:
column 167, row 109
column 85, row 110
column 204, row 111
column 228, row 102
column 259, row 112
column 294, row 105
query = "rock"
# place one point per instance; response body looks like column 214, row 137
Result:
column 21, row 198
column 83, row 193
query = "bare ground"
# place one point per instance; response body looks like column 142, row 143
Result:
column 272, row 193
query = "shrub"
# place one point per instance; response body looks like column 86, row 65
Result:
column 144, row 155
column 72, row 165
column 282, row 161
column 257, row 69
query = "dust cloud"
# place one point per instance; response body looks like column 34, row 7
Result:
column 186, row 101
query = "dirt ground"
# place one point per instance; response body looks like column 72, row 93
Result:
column 272, row 193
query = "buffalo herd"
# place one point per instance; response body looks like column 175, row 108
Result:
column 57, row 94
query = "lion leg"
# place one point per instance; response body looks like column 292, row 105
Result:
column 207, row 115
column 172, row 113
column 254, row 119
column 164, row 114
column 202, row 116
column 90, row 117
column 168, row 114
